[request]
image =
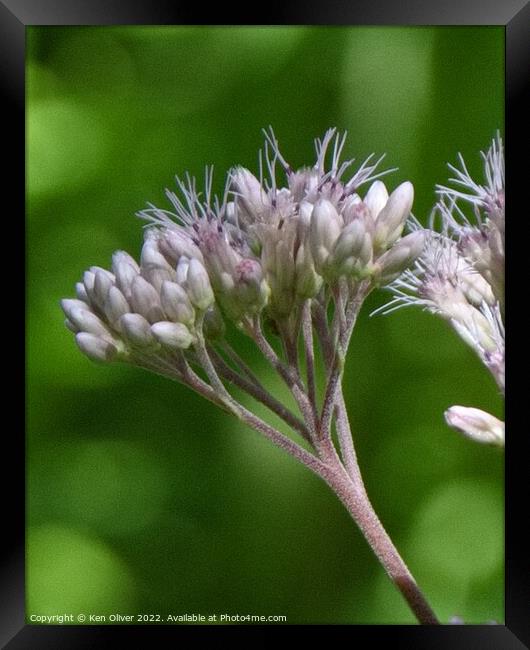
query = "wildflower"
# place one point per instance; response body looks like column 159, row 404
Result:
column 261, row 253
column 460, row 273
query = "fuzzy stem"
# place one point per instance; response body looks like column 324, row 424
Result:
column 259, row 393
column 358, row 505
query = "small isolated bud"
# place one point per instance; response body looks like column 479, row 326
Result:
column 400, row 257
column 136, row 330
column 172, row 335
column 85, row 321
column 376, row 198
column 199, row 288
column 115, row 305
column 96, row 348
column 145, row 300
column 176, row 304
column 391, row 219
column 476, row 424
column 325, row 228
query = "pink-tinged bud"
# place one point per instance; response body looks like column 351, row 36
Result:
column 395, row 261
column 136, row 330
column 96, row 348
column 251, row 289
column 476, row 424
column 172, row 335
column 198, row 285
column 391, row 219
column 376, row 198
column 325, row 228
column 176, row 304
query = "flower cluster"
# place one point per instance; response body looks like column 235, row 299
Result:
column 259, row 251
column 460, row 276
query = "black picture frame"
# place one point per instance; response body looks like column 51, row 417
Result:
column 15, row 16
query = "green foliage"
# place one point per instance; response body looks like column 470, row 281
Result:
column 142, row 497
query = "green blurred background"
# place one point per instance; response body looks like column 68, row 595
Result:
column 141, row 497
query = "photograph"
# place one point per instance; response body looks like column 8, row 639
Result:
column 265, row 325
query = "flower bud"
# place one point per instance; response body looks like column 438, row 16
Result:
column 145, row 300
column 115, row 305
column 96, row 348
column 198, row 285
column 172, row 335
column 85, row 320
column 476, row 424
column 136, row 330
column 325, row 228
column 391, row 219
column 400, row 257
column 176, row 304
column 376, row 198
column 125, row 269
column 308, row 282
column 353, row 249
column 251, row 289
column 181, row 272
column 250, row 195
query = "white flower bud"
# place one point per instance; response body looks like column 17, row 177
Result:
column 172, row 335
column 68, row 304
column 376, row 198
column 181, row 272
column 476, row 424
column 102, row 285
column 176, row 304
column 96, row 348
column 125, row 269
column 198, row 284
column 400, row 257
column 145, row 300
column 116, row 305
column 151, row 256
column 325, row 228
column 81, row 293
column 391, row 219
column 86, row 321
column 250, row 194
column 136, row 330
